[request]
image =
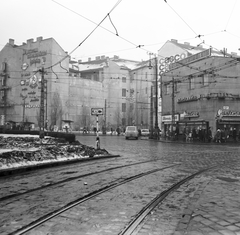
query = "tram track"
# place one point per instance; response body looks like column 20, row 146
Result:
column 11, row 196
column 132, row 227
column 81, row 200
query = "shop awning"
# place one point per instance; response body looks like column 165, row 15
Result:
column 197, row 121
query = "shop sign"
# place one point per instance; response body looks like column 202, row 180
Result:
column 227, row 113
column 190, row 114
column 191, row 59
column 37, row 54
column 168, row 118
column 188, row 99
column 164, row 63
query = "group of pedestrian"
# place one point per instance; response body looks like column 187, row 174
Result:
column 223, row 135
column 197, row 134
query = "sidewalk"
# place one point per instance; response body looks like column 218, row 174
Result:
column 197, row 142
column 214, row 209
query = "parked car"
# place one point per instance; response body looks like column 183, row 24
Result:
column 131, row 132
column 145, row 133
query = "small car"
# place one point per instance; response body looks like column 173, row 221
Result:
column 131, row 132
column 145, row 133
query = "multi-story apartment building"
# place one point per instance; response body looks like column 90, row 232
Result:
column 200, row 91
column 21, row 78
column 104, row 83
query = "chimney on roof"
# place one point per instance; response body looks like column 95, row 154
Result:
column 187, row 43
column 89, row 59
column 39, row 39
column 24, row 43
column 11, row 41
column 97, row 57
column 29, row 41
column 174, row 40
column 102, row 57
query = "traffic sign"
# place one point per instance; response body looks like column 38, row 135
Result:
column 96, row 111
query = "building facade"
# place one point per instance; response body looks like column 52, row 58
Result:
column 21, row 78
column 202, row 91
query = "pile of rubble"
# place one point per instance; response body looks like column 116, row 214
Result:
column 29, row 149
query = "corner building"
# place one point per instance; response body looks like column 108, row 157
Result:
column 20, row 87
column 201, row 91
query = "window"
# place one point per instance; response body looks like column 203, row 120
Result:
column 205, row 79
column 124, row 107
column 124, row 79
column 95, row 77
column 191, row 83
column 124, row 92
column 167, row 89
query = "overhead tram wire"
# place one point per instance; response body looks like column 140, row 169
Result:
column 86, row 36
column 230, row 15
column 98, row 25
column 198, row 35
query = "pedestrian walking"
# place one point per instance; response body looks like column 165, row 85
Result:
column 218, row 136
column 234, row 134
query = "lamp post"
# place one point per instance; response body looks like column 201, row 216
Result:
column 155, row 65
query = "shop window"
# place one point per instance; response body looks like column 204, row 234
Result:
column 123, row 107
column 124, row 92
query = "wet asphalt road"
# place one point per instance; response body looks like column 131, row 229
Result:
column 110, row 212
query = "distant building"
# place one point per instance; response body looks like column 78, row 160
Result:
column 102, row 83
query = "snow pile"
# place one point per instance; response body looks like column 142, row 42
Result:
column 30, row 150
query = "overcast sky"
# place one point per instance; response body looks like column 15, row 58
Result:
column 137, row 22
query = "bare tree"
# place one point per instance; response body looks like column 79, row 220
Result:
column 56, row 109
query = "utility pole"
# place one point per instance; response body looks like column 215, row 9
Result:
column 151, row 113
column 46, row 119
column 173, row 106
column 41, row 126
column 156, row 132
column 156, row 95
column 4, row 86
column 105, row 117
column 24, row 98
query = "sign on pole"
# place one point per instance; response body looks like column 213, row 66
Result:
column 96, row 111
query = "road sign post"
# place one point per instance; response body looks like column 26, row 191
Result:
column 96, row 112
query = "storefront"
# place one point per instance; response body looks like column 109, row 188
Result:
column 229, row 121
column 169, row 125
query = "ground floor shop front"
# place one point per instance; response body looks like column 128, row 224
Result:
column 224, row 125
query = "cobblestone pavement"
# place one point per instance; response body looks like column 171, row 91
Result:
column 207, row 204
